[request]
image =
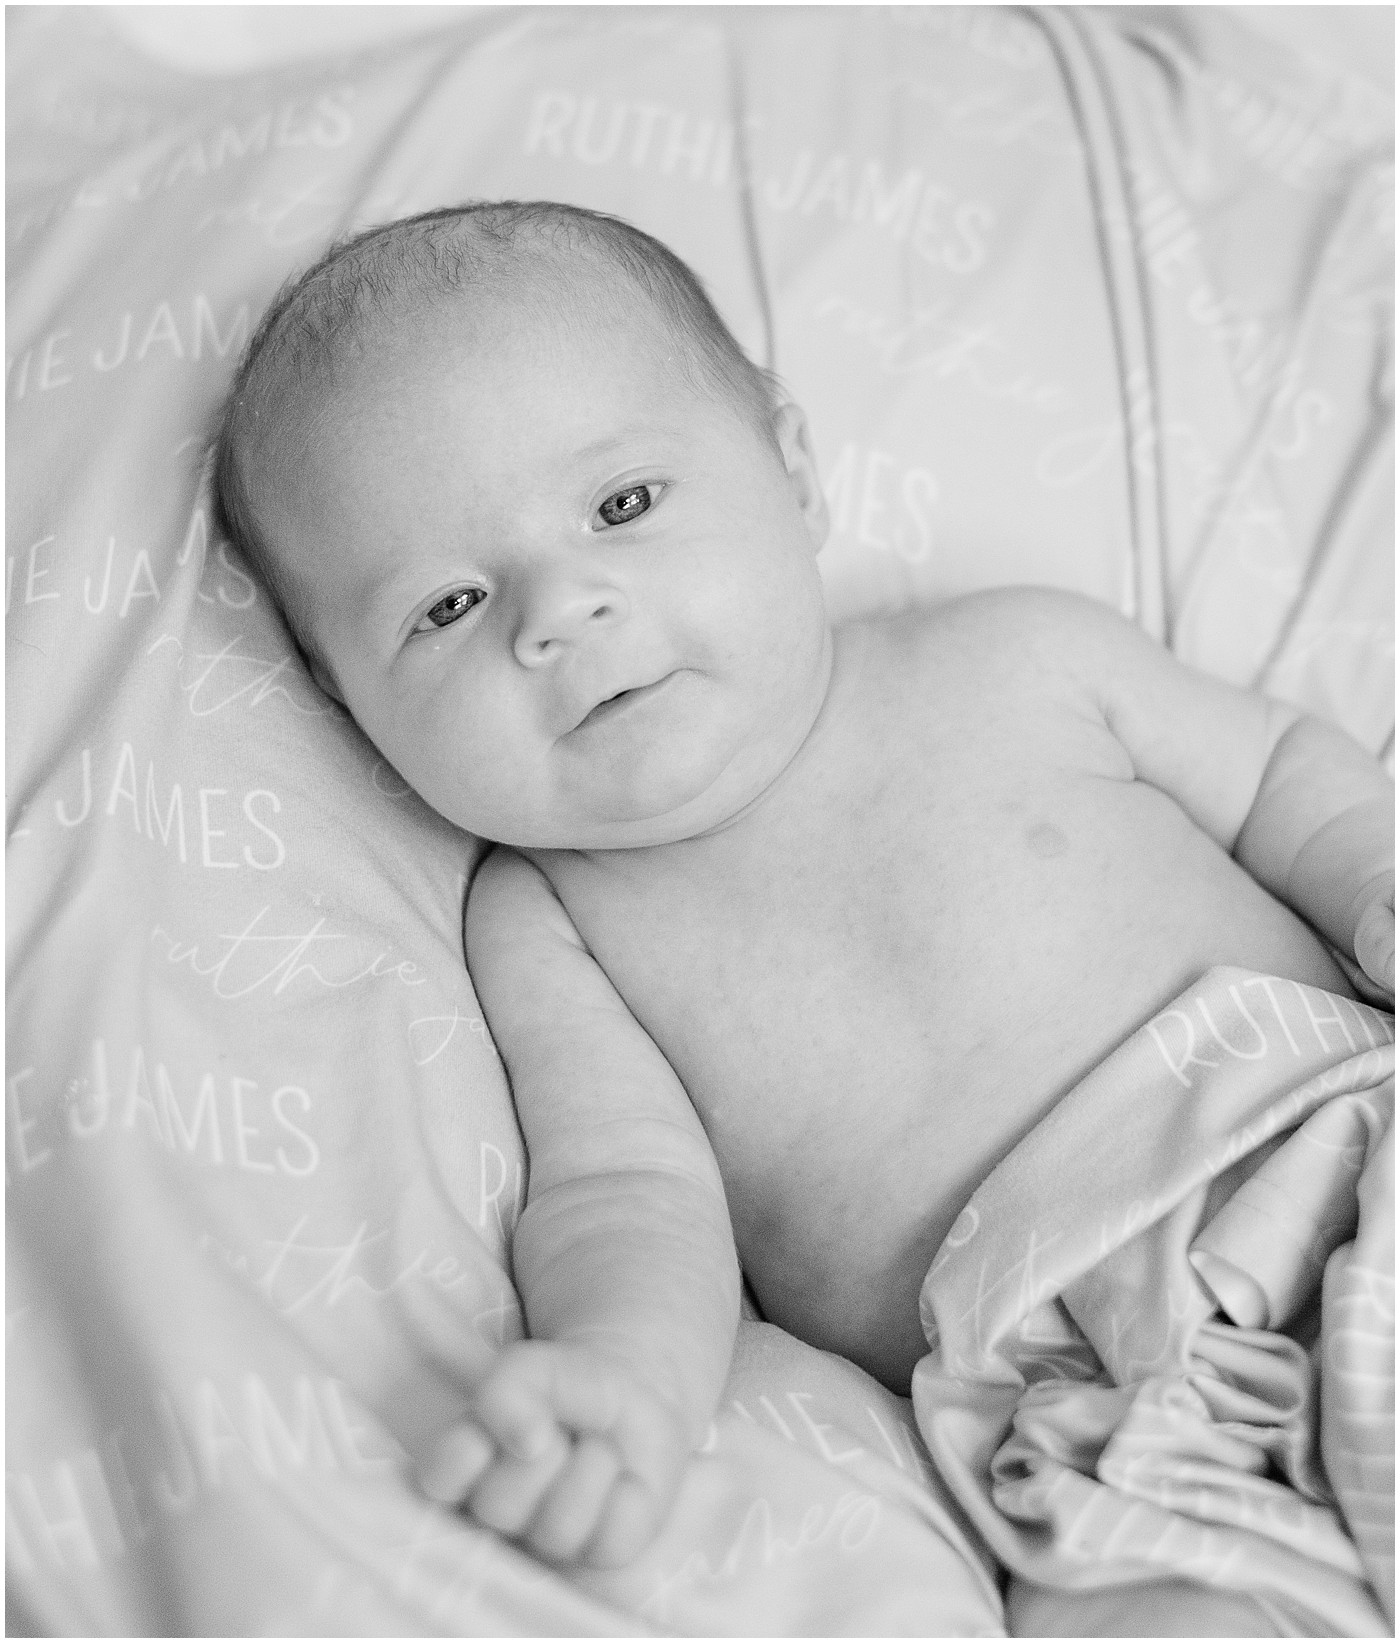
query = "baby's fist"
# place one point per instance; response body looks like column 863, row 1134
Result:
column 1375, row 939
column 566, row 1451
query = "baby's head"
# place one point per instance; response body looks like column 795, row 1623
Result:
column 536, row 521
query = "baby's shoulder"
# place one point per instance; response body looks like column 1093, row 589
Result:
column 1013, row 633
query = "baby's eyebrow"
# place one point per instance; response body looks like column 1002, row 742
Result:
column 618, row 437
column 390, row 585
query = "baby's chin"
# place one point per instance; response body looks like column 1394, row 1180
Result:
column 627, row 823
column 645, row 807
column 657, row 778
column 639, row 787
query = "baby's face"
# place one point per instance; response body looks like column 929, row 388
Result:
column 571, row 599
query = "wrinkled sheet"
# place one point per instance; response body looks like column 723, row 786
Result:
column 1163, row 1328
column 1095, row 303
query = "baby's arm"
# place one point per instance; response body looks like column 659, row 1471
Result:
column 1303, row 808
column 624, row 1256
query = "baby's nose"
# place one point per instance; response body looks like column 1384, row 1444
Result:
column 560, row 612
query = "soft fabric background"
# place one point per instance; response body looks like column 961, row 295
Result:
column 1094, row 301
column 225, row 39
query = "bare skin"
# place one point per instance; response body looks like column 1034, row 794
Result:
column 879, row 978
column 791, row 934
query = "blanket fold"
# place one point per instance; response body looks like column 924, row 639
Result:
column 1162, row 1331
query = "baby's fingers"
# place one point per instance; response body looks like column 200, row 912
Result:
column 510, row 1492
column 570, row 1514
column 1375, row 944
column 517, row 1410
column 450, row 1472
column 588, row 1393
column 629, row 1521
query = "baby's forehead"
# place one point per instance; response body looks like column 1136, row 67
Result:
column 513, row 334
column 559, row 312
column 550, row 293
column 491, row 359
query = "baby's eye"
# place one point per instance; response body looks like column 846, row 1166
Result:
column 625, row 505
column 447, row 610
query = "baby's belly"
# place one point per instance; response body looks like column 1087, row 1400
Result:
column 860, row 1063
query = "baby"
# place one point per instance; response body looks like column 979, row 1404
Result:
column 761, row 888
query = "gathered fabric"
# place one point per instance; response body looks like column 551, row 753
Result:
column 1162, row 1331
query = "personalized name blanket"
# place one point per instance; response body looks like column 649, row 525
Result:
column 1094, row 298
column 1163, row 1329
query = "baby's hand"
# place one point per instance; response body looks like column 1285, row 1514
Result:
column 1375, row 936
column 566, row 1451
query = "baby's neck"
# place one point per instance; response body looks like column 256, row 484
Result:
column 752, row 806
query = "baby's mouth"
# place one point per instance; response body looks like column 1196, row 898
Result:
column 624, row 699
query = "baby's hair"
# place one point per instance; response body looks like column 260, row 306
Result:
column 441, row 253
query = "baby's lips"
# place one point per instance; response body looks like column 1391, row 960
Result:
column 596, row 700
column 645, row 688
column 578, row 704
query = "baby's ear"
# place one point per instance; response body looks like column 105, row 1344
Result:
column 795, row 442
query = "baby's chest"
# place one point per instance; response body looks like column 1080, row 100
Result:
column 872, row 1001
column 847, row 969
